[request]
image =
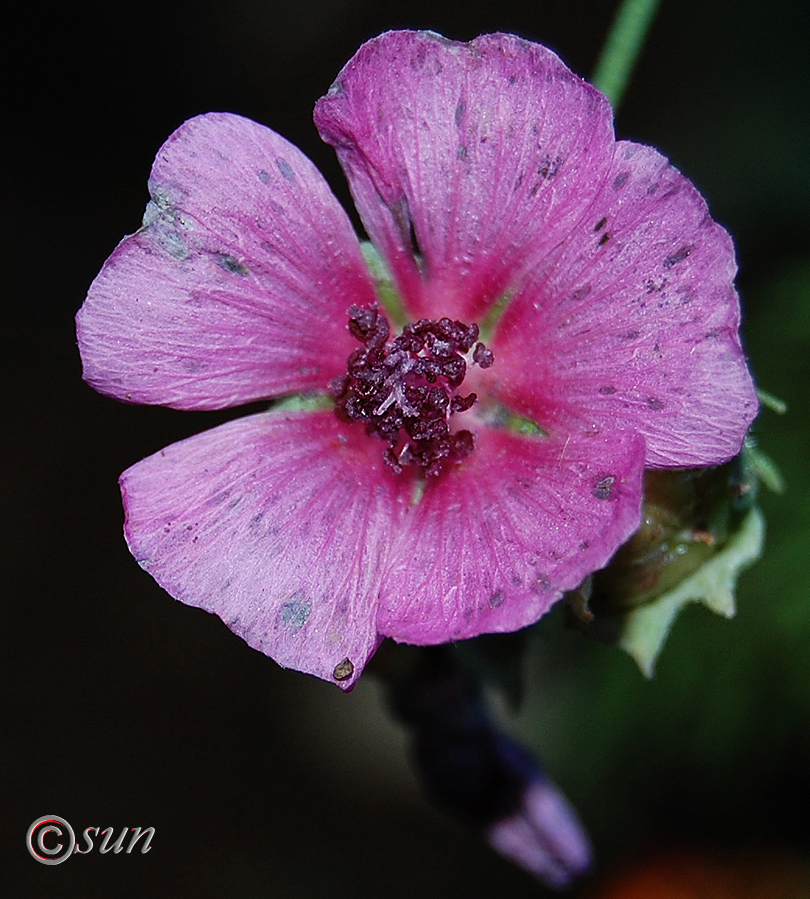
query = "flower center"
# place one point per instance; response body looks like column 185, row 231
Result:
column 406, row 391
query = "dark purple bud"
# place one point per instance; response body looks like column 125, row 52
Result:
column 481, row 776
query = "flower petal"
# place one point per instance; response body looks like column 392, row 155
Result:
column 479, row 156
column 633, row 323
column 238, row 284
column 280, row 524
column 498, row 539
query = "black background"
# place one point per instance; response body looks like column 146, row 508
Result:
column 124, row 708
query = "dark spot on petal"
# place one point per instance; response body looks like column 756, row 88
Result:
column 549, row 167
column 580, row 293
column 295, row 612
column 655, row 404
column 263, row 177
column 604, row 487
column 343, row 670
column 461, row 152
column 233, row 265
column 604, row 239
column 620, row 180
column 679, row 256
column 600, row 224
column 652, row 189
column 631, row 335
column 286, row 169
column 607, row 390
column 413, row 240
column 459, row 114
column 496, row 599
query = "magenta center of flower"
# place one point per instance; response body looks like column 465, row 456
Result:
column 406, row 391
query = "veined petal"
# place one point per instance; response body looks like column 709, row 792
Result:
column 238, row 284
column 633, row 323
column 480, row 157
column 281, row 524
column 499, row 538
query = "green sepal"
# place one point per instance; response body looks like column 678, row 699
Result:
column 645, row 629
column 762, row 467
column 384, row 286
column 303, row 402
column 496, row 415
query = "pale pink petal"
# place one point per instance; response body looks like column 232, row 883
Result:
column 238, row 285
column 279, row 523
column 633, row 323
column 545, row 836
column 499, row 538
column 484, row 155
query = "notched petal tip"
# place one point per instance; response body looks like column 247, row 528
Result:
column 235, row 288
column 478, row 189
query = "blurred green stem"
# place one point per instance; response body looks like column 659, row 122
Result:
column 622, row 48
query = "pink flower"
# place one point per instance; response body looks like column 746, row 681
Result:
column 488, row 177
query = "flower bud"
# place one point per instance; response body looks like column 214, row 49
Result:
column 688, row 516
column 481, row 776
column 544, row 836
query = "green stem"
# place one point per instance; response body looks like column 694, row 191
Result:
column 622, row 47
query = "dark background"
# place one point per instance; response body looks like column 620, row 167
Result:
column 123, row 708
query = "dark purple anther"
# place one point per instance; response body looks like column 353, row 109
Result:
column 482, row 356
column 405, row 391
